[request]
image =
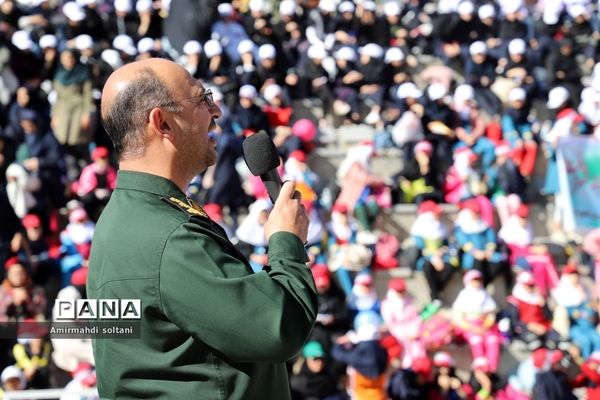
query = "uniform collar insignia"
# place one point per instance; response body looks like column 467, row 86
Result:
column 190, row 207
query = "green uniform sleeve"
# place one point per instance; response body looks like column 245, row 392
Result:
column 209, row 293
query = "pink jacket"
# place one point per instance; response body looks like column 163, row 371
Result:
column 401, row 317
column 88, row 181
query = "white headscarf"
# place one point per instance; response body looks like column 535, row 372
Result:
column 19, row 190
column 567, row 294
column 474, row 301
column 360, row 154
column 250, row 230
column 427, row 226
column 513, row 232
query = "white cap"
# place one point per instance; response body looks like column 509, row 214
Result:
column 21, row 40
column 368, row 5
column 266, row 51
column 212, row 48
column 576, row 10
column 486, row 11
column 463, row 93
column 346, row 53
column 409, row 89
column 316, row 52
column 143, row 6
column 272, row 91
column 511, row 6
column 466, row 7
column 245, row 46
column 393, row 54
column 372, row 50
column 391, row 8
column 346, row 6
column 112, row 58
column 477, row 47
column 517, row 46
column 436, row 91
column 248, row 91
column 123, row 6
column 225, row 9
column 287, row 7
column 84, row 42
column 13, row 372
column 256, row 5
column 517, row 94
column 145, row 45
column 73, row 11
column 557, row 97
column 327, row 5
column 125, row 44
column 48, row 40
column 192, row 47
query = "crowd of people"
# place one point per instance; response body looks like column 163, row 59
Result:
column 475, row 94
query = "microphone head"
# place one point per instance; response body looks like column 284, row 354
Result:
column 260, row 153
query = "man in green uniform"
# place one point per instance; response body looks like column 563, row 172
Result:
column 210, row 328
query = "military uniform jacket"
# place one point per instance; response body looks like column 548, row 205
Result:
column 210, row 328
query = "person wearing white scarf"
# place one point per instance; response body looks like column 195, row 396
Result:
column 252, row 232
column 20, row 187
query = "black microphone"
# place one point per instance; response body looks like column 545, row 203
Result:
column 262, row 159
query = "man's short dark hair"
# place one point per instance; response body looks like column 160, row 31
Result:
column 125, row 120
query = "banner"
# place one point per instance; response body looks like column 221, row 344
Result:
column 578, row 159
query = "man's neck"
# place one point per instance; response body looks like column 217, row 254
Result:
column 155, row 169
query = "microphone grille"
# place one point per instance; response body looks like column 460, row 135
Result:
column 260, row 153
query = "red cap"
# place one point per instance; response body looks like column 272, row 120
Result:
column 542, row 356
column 429, row 206
column 321, row 275
column 363, row 279
column 99, row 152
column 422, row 365
column 523, row 211
column 298, row 155
column 214, row 211
column 341, row 208
column 31, row 221
column 570, row 269
column 473, row 205
column 79, row 277
column 12, row 261
column 305, row 129
column 397, row 284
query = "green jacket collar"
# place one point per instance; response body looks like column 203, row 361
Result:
column 144, row 182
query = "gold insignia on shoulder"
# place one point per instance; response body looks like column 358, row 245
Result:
column 190, row 207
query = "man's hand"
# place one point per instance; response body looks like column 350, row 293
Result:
column 288, row 214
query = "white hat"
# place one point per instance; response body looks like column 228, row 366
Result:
column 446, row 7
column 212, row 48
column 256, row 5
column 372, row 50
column 112, row 58
column 266, row 51
column 368, row 5
column 486, row 11
column 272, row 91
column 248, row 91
column 346, row 6
column 123, row 6
column 391, row 8
column 589, row 95
column 73, row 11
column 192, row 47
column 84, row 42
column 517, row 46
column 511, row 6
column 225, row 9
column 466, row 7
column 552, row 12
column 517, row 94
column 21, row 40
column 316, row 52
column 145, row 45
column 477, row 47
column 327, row 5
column 346, row 53
column 287, row 7
column 143, row 6
column 125, row 44
column 576, row 10
column 245, row 46
column 13, row 372
column 393, row 54
column 436, row 91
column 409, row 89
column 463, row 93
column 557, row 97
column 48, row 40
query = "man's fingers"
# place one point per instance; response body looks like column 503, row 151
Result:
column 287, row 189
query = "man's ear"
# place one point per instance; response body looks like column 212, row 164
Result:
column 159, row 123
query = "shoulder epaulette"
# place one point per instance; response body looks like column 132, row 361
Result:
column 190, row 207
